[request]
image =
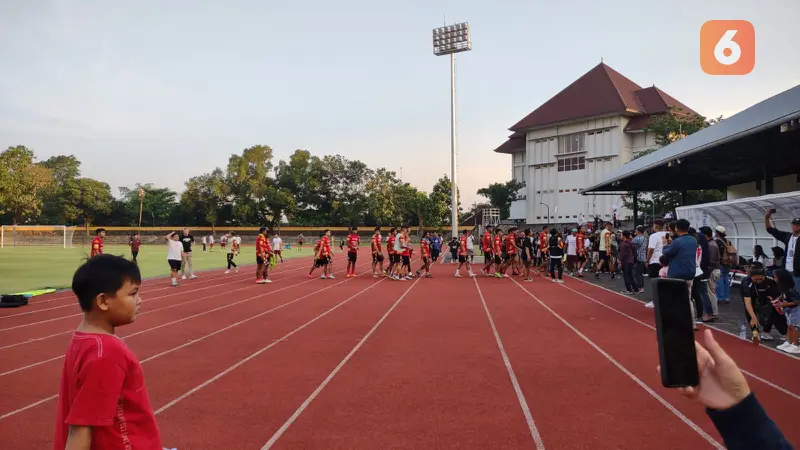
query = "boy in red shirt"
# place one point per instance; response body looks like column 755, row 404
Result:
column 425, row 251
column 377, row 254
column 394, row 258
column 486, row 248
column 317, row 262
column 497, row 249
column 325, row 255
column 353, row 241
column 102, row 401
column 263, row 252
column 462, row 255
column 97, row 242
column 135, row 243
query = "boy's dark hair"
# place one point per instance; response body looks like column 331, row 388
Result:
column 326, row 231
column 626, row 234
column 784, row 279
column 682, row 225
column 377, row 229
column 544, row 227
column 663, row 260
column 98, row 231
column 756, row 268
column 354, row 228
column 102, row 274
column 527, row 231
column 262, row 230
column 706, row 230
column 392, row 230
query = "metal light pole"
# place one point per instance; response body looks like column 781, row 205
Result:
column 548, row 211
column 449, row 40
column 141, row 206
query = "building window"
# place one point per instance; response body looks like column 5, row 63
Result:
column 571, row 143
column 569, row 164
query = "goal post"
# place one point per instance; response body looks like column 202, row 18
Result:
column 36, row 235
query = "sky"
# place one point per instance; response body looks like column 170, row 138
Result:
column 157, row 92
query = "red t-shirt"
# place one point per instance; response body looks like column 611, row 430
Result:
column 97, row 246
column 498, row 245
column 390, row 244
column 462, row 246
column 424, row 248
column 543, row 241
column 376, row 241
column 353, row 241
column 325, row 247
column 102, row 386
column 511, row 247
column 261, row 245
column 487, row 242
column 404, row 243
column 135, row 244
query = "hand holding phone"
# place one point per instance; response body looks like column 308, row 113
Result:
column 675, row 331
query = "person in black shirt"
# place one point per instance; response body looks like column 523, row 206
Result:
column 555, row 251
column 758, row 292
column 527, row 254
column 186, row 257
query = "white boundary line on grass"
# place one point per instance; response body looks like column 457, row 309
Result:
column 44, row 400
column 262, row 350
column 627, row 372
column 748, row 373
column 788, row 355
column 333, row 373
column 537, row 438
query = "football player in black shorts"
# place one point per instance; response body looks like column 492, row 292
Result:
column 377, row 254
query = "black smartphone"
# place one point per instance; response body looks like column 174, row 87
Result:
column 675, row 331
column 773, row 211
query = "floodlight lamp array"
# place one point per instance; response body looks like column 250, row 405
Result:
column 452, row 39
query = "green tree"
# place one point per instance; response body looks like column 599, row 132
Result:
column 249, row 182
column 668, row 128
column 441, row 201
column 159, row 205
column 205, row 197
column 21, row 184
column 65, row 169
column 382, row 201
column 84, row 199
column 500, row 195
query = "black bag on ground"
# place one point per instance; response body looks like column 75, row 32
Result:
column 13, row 301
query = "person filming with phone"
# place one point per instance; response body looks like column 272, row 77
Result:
column 790, row 240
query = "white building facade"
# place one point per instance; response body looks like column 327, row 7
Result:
column 557, row 156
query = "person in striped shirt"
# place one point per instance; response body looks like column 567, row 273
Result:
column 263, row 252
column 377, row 254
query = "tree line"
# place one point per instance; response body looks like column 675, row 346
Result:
column 304, row 189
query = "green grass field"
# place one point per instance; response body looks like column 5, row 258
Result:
column 28, row 268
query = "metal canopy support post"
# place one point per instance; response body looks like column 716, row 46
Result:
column 635, row 208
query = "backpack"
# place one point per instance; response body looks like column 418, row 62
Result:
column 13, row 301
column 730, row 256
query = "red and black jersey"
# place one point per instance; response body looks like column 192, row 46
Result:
column 376, row 243
column 390, row 244
column 425, row 248
column 511, row 244
column 325, row 247
column 462, row 246
column 498, row 244
column 543, row 241
column 486, row 242
column 97, row 246
column 262, row 245
column 353, row 241
column 405, row 245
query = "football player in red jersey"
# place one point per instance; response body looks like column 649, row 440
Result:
column 487, row 249
column 353, row 242
column 377, row 254
column 326, row 255
column 262, row 257
column 425, row 251
column 462, row 255
column 498, row 251
column 97, row 242
column 544, row 238
column 394, row 257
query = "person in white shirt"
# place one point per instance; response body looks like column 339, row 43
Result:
column 471, row 248
column 572, row 251
column 655, row 248
column 174, row 255
column 277, row 246
column 211, row 242
column 205, row 242
column 234, row 250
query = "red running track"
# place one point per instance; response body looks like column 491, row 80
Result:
column 365, row 364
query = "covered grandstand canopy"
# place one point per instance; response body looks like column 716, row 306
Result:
column 748, row 146
column 744, row 219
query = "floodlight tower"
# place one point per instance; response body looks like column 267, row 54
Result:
column 449, row 40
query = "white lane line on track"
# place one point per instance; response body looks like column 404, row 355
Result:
column 44, row 400
column 526, row 411
column 255, row 354
column 644, row 324
column 214, row 276
column 333, row 373
column 627, row 372
column 787, row 355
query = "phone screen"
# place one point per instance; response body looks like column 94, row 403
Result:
column 675, row 329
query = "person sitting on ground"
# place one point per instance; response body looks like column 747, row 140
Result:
column 758, row 292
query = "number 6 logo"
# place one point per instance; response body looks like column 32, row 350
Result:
column 727, row 47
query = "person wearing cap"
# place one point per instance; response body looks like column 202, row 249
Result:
column 724, row 282
column 792, row 243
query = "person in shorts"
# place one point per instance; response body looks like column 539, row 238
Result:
column 174, row 250
column 463, row 255
column 263, row 253
column 353, row 242
column 425, row 251
column 487, row 250
column 498, row 250
column 527, row 254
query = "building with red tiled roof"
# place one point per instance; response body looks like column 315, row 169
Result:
column 571, row 141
